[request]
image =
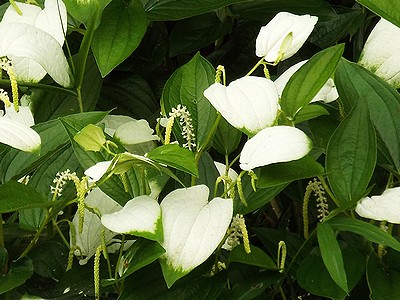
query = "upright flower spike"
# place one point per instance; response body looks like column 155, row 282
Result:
column 327, row 94
column 385, row 207
column 33, row 41
column 249, row 103
column 283, row 36
column 381, row 52
column 273, row 145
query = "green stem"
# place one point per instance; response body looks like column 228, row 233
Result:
column 260, row 62
column 328, row 190
column 1, row 232
column 41, row 86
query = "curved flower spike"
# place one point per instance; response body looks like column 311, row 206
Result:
column 385, row 207
column 283, row 36
column 381, row 52
column 249, row 103
column 273, row 145
column 328, row 92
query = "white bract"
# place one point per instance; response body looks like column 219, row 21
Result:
column 249, row 103
column 97, row 171
column 283, row 36
column 381, row 52
column 191, row 229
column 221, row 168
column 33, row 41
column 140, row 216
column 385, row 207
column 273, row 145
column 328, row 92
column 15, row 130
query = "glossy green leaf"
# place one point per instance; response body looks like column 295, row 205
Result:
column 281, row 173
column 351, row 156
column 15, row 196
column 313, row 276
column 309, row 79
column 382, row 280
column 369, row 231
column 20, row 271
column 121, row 29
column 256, row 257
column 355, row 84
column 175, row 156
column 310, row 112
column 186, row 87
column 140, row 254
column 387, row 9
column 332, row 255
column 180, row 9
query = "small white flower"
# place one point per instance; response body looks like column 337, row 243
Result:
column 97, row 171
column 385, row 207
column 283, row 36
column 33, row 41
column 15, row 130
column 273, row 145
column 381, row 52
column 328, row 92
column 249, row 103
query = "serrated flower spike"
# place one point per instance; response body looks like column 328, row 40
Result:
column 15, row 128
column 327, row 94
column 33, row 41
column 381, row 52
column 385, row 207
column 273, row 145
column 249, row 103
column 283, row 36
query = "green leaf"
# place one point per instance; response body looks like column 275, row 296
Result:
column 15, row 196
column 20, row 271
column 369, row 231
column 121, row 29
column 351, row 156
column 227, row 138
column 309, row 79
column 281, row 173
column 195, row 33
column 332, row 255
column 140, row 254
column 386, row 9
column 256, row 257
column 84, row 10
column 169, row 10
column 186, row 87
column 91, row 138
column 382, row 280
column 313, row 276
column 355, row 84
column 310, row 112
column 175, row 156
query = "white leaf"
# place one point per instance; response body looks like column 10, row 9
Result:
column 273, row 145
column 18, row 40
column 328, row 92
column 90, row 238
column 112, row 122
column 135, row 132
column 23, row 116
column 381, row 52
column 272, row 42
column 249, row 103
column 193, row 228
column 221, row 168
column 385, row 207
column 97, row 171
column 19, row 136
column 140, row 216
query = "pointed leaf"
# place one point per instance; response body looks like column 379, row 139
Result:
column 256, row 257
column 15, row 196
column 175, row 156
column 140, row 216
column 19, row 136
column 351, row 156
column 193, row 228
column 332, row 255
column 91, row 138
column 383, row 8
column 20, row 271
column 309, row 79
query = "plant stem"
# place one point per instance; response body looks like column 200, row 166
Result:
column 1, row 232
column 256, row 66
